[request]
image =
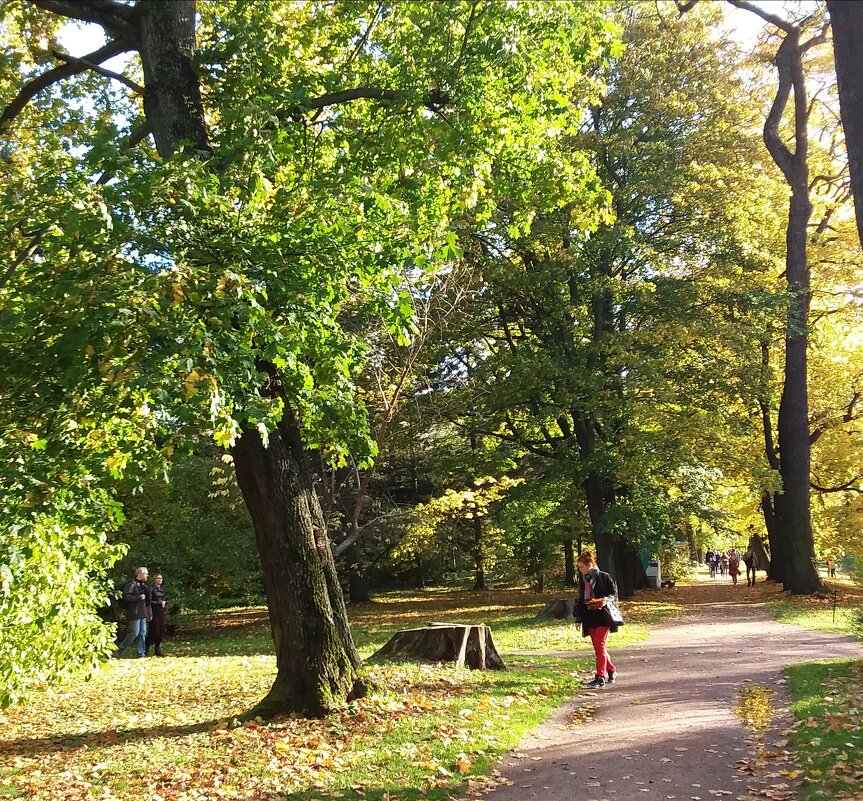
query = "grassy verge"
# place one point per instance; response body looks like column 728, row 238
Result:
column 817, row 612
column 828, row 736
column 166, row 728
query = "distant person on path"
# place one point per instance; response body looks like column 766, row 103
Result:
column 158, row 601
column 750, row 559
column 733, row 567
column 708, row 558
column 136, row 600
column 599, row 615
column 717, row 558
column 831, row 568
column 723, row 565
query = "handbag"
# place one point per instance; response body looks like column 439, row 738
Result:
column 614, row 611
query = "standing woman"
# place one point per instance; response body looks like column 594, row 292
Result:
column 158, row 601
column 599, row 614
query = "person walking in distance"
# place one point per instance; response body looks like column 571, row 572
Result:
column 136, row 599
column 750, row 559
column 599, row 615
column 158, row 602
column 734, row 567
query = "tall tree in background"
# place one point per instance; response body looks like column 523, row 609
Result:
column 293, row 177
column 792, row 504
column 847, row 22
column 595, row 356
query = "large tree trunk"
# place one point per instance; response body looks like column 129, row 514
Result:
column 847, row 20
column 172, row 104
column 794, row 521
column 315, row 655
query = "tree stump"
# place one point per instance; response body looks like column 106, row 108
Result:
column 463, row 644
column 561, row 609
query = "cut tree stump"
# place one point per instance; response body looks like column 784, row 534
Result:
column 446, row 642
column 561, row 609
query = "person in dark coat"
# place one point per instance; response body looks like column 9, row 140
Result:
column 158, row 602
column 136, row 600
column 595, row 596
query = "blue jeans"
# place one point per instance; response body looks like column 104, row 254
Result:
column 137, row 633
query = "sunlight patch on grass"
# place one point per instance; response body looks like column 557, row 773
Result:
column 828, row 737
column 817, row 613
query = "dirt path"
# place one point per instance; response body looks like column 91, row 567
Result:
column 668, row 729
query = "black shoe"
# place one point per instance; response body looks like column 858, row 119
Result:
column 596, row 683
column 612, row 676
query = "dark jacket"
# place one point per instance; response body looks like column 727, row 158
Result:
column 136, row 599
column 601, row 587
column 157, row 597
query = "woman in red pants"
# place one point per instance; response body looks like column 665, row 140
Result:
column 599, row 615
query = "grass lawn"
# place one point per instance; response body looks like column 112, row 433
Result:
column 826, row 697
column 828, row 735
column 166, row 729
column 817, row 613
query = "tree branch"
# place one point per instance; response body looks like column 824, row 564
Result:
column 52, row 76
column 848, row 486
column 128, row 82
column 780, row 23
column 783, row 157
column 434, row 101
column 818, row 39
column 117, row 18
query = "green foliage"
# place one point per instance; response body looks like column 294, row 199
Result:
column 52, row 578
column 195, row 531
column 187, row 296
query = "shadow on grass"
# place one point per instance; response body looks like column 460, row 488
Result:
column 36, row 746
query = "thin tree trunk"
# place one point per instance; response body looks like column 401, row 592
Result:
column 479, row 582
column 847, row 20
column 569, row 563
column 358, row 586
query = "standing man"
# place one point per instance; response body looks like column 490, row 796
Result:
column 750, row 559
column 136, row 599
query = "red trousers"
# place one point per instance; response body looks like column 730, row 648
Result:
column 598, row 636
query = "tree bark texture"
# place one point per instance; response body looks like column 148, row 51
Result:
column 569, row 563
column 847, row 21
column 794, row 520
column 467, row 646
column 172, row 103
column 775, row 570
column 315, row 656
column 560, row 609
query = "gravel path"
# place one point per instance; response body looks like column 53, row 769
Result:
column 668, row 729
